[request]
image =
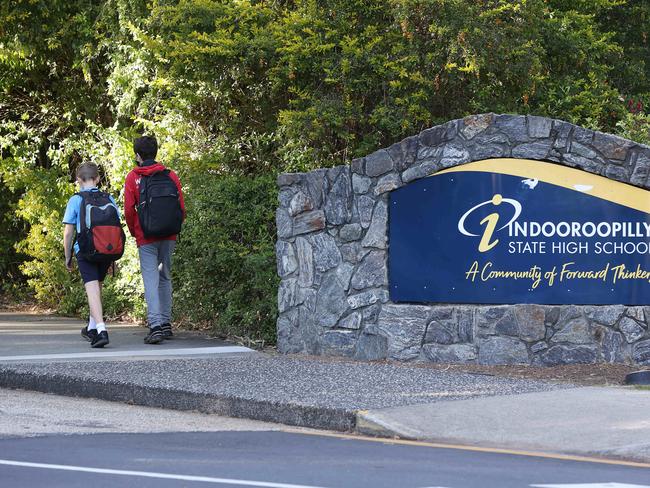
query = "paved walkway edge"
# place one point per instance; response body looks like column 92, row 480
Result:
column 284, row 413
column 595, row 422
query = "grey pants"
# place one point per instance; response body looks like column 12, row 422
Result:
column 156, row 267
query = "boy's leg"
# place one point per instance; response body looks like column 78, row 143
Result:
column 102, row 269
column 92, row 323
column 92, row 275
column 149, row 267
column 90, row 330
column 93, row 291
column 166, row 250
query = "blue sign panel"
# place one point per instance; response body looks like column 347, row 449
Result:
column 519, row 231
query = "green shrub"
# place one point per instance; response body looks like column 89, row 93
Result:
column 635, row 127
column 11, row 229
column 224, row 265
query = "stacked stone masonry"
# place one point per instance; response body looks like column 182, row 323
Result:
column 332, row 251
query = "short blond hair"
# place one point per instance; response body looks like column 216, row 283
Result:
column 87, row 171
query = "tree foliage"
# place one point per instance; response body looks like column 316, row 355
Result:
column 246, row 88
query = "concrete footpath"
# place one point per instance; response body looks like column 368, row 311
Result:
column 192, row 372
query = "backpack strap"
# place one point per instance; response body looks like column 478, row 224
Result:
column 142, row 190
column 82, row 210
column 82, row 207
column 81, row 216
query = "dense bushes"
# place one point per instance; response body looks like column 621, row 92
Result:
column 239, row 90
column 11, row 231
column 224, row 270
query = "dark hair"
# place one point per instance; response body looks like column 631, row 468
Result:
column 87, row 171
column 146, row 147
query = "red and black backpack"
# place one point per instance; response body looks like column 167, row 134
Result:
column 101, row 238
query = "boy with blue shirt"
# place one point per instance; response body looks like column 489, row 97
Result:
column 92, row 273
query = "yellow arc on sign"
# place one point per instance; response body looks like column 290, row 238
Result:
column 555, row 174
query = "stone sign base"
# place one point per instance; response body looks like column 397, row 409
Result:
column 511, row 334
column 332, row 251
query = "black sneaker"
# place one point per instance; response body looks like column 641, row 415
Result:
column 87, row 334
column 167, row 331
column 155, row 336
column 100, row 340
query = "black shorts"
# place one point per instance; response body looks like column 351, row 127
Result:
column 92, row 271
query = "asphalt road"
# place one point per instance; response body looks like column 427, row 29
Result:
column 245, row 453
column 280, row 459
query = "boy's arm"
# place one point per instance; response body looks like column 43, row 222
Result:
column 129, row 204
column 68, row 236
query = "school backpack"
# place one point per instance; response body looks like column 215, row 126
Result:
column 159, row 210
column 101, row 238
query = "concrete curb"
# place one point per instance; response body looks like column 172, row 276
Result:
column 230, row 406
column 366, row 424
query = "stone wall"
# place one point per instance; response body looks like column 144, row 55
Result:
column 332, row 250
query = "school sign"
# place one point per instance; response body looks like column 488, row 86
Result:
column 519, row 231
column 493, row 239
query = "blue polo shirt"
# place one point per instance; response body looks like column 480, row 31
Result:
column 73, row 210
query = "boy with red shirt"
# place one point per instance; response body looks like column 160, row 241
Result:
column 155, row 253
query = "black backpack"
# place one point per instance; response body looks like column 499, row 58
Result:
column 159, row 209
column 101, row 237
